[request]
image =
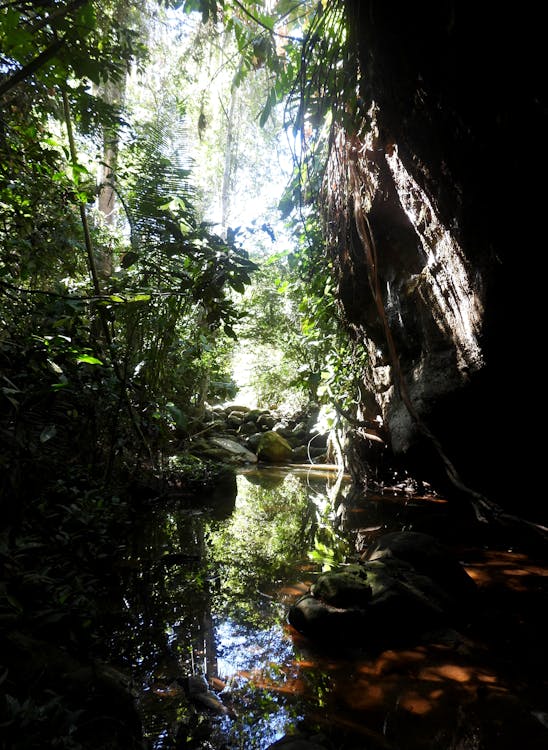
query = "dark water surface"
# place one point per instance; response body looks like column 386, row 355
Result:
column 208, row 593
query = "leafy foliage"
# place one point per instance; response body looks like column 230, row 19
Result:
column 95, row 377
column 99, row 373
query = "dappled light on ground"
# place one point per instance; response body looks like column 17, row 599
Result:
column 513, row 570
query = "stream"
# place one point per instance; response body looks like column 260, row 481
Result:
column 207, row 593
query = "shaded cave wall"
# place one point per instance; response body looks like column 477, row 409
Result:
column 452, row 185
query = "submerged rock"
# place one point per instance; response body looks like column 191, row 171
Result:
column 386, row 600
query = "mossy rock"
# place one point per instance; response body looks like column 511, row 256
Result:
column 344, row 588
column 274, row 448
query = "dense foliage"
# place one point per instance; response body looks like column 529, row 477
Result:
column 120, row 299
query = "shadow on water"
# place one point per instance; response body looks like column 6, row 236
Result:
column 208, row 591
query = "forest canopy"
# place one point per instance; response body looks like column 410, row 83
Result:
column 131, row 132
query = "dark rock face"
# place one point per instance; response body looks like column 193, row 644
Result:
column 408, row 587
column 452, row 174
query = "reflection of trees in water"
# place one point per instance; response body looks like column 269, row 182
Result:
column 189, row 576
column 167, row 633
column 267, row 536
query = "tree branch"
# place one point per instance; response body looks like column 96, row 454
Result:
column 263, row 25
column 31, row 67
column 46, row 54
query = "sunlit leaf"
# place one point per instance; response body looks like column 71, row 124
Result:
column 88, row 359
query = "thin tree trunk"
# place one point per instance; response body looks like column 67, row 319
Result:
column 112, row 93
column 230, row 161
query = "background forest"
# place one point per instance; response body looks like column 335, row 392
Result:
column 159, row 163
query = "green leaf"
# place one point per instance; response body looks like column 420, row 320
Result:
column 237, row 285
column 88, row 359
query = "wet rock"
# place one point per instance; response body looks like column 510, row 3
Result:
column 308, row 454
column 318, row 620
column 348, row 587
column 253, row 441
column 300, row 453
column 274, row 448
column 387, row 600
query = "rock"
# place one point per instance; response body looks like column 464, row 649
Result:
column 387, row 600
column 318, row 620
column 427, row 556
column 234, row 419
column 253, row 441
column 266, row 421
column 348, row 587
column 234, row 451
column 300, row 454
column 274, row 448
column 299, row 436
column 254, row 414
column 240, row 408
column 247, row 428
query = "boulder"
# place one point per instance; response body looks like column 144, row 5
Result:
column 253, row 441
column 234, row 451
column 274, row 448
column 266, row 421
column 240, row 408
column 234, row 419
column 247, row 428
column 254, row 414
column 427, row 556
column 300, row 454
column 387, row 600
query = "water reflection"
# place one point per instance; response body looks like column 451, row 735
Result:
column 208, row 592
